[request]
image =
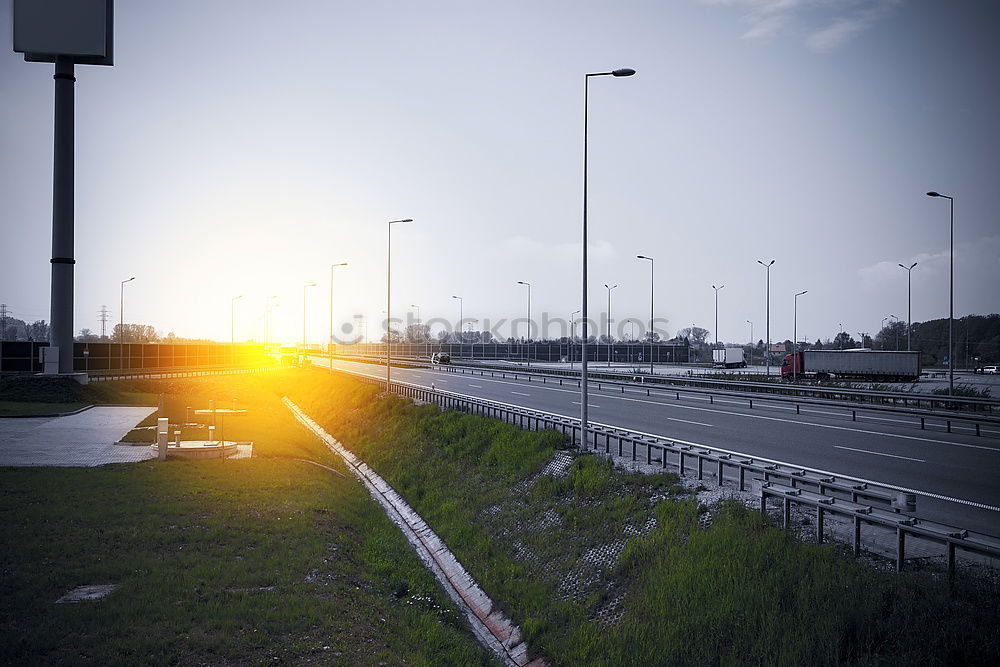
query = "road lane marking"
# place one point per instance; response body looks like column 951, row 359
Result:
column 589, row 405
column 674, row 404
column 477, row 386
column 519, row 393
column 866, row 451
column 928, row 494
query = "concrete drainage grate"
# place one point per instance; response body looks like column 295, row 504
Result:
column 90, row 593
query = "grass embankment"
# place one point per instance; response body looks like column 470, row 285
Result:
column 217, row 562
column 43, row 396
column 737, row 591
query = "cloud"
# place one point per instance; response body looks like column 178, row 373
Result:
column 977, row 272
column 827, row 24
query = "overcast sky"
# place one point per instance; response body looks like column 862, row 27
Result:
column 242, row 147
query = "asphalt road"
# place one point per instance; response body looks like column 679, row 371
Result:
column 885, row 449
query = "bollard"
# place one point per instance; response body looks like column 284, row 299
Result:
column 234, row 404
column 187, row 414
column 211, row 434
column 162, row 426
column 177, row 438
column 159, row 411
column 797, row 409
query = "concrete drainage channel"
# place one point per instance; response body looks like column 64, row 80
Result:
column 489, row 624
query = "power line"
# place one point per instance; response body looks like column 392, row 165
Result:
column 104, row 315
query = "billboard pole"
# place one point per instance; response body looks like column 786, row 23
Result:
column 61, row 315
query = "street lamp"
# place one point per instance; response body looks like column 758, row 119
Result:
column 610, row 337
column 951, row 302
column 461, row 308
column 388, row 301
column 717, row 313
column 528, row 336
column 268, row 318
column 751, row 341
column 304, row 288
column 572, row 336
column 795, row 334
column 121, row 327
column 650, row 334
column 767, row 350
column 909, row 270
column 583, row 344
column 232, row 319
column 332, row 267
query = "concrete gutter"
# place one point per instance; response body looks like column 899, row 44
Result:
column 489, row 624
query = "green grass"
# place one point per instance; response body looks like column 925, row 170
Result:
column 218, row 562
column 32, row 408
column 736, row 592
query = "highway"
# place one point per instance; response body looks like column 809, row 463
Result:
column 883, row 449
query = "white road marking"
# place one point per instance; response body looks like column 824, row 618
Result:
column 519, row 393
column 589, row 405
column 674, row 404
column 866, row 451
column 476, row 386
column 928, row 494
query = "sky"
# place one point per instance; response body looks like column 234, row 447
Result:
column 242, row 148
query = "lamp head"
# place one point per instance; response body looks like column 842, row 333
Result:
column 934, row 194
column 625, row 71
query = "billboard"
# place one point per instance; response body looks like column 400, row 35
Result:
column 79, row 29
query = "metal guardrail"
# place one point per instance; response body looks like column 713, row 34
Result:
column 923, row 419
column 154, row 373
column 826, row 492
column 838, row 394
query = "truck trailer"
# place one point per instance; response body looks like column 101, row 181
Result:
column 730, row 357
column 862, row 364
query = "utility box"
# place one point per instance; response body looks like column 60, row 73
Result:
column 49, row 356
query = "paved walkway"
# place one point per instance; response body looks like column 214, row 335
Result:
column 83, row 439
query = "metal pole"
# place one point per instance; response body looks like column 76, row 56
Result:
column 951, row 305
column 767, row 349
column 572, row 336
column 388, row 309
column 751, row 341
column 61, row 313
column 610, row 337
column 232, row 319
column 717, row 313
column 795, row 335
column 121, row 325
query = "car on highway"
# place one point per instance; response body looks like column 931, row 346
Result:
column 440, row 358
column 990, row 370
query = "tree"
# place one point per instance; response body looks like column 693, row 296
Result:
column 38, row 331
column 417, row 333
column 393, row 337
column 696, row 335
column 651, row 337
column 87, row 336
column 134, row 333
column 843, row 341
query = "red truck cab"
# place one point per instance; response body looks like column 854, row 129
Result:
column 788, row 366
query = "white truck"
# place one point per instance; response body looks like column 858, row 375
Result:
column 730, row 357
column 863, row 364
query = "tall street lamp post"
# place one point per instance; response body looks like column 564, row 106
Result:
column 610, row 337
column 232, row 319
column 650, row 334
column 461, row 316
column 121, row 326
column 909, row 270
column 304, row 288
column 388, row 301
column 751, row 341
column 583, row 307
column 795, row 334
column 717, row 313
column 951, row 297
column 332, row 267
column 528, row 336
column 767, row 319
column 572, row 336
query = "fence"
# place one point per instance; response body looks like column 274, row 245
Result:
column 23, row 357
column 826, row 493
column 544, row 351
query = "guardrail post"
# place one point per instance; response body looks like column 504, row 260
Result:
column 649, row 454
column 720, row 471
column 742, row 475
column 921, row 423
column 857, row 536
column 819, row 524
column 900, row 547
column 619, row 444
column 977, row 429
column 751, row 404
column 786, row 511
column 797, row 409
column 949, row 426
column 663, row 457
column 951, row 559
column 700, row 462
column 854, row 415
column 680, row 466
column 711, row 399
column 633, row 448
column 763, row 499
